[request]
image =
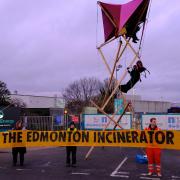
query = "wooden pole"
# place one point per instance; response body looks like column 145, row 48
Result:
column 89, row 152
column 102, row 111
column 115, row 62
column 104, row 60
column 92, row 147
column 110, row 120
column 117, row 59
column 125, row 73
column 134, row 51
column 120, row 117
column 107, row 42
column 132, row 111
column 122, row 51
column 118, row 83
column 112, row 21
column 112, row 73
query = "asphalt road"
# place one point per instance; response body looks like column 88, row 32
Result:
column 104, row 163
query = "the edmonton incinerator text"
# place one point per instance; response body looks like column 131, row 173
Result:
column 124, row 136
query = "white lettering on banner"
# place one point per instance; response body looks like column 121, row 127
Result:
column 164, row 122
column 100, row 121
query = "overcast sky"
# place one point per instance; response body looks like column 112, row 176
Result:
column 47, row 44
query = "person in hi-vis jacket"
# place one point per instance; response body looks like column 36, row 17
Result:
column 71, row 150
column 18, row 150
column 153, row 154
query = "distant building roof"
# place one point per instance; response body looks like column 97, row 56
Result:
column 34, row 101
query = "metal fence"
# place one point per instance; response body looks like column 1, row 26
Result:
column 42, row 123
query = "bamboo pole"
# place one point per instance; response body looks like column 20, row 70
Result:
column 92, row 147
column 115, row 65
column 117, row 59
column 104, row 60
column 132, row 111
column 112, row 21
column 102, row 111
column 112, row 73
column 125, row 73
column 115, row 62
column 122, row 51
column 120, row 117
column 107, row 42
column 117, row 86
column 134, row 51
column 110, row 120
column 89, row 152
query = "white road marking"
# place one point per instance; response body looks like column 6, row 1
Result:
column 122, row 176
column 175, row 177
column 146, row 174
column 115, row 173
column 121, row 172
column 150, row 178
column 19, row 169
column 80, row 173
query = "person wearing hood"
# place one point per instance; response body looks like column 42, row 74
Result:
column 71, row 150
column 135, row 75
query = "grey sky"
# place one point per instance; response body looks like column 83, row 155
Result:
column 45, row 45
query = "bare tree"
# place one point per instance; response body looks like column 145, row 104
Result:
column 105, row 92
column 18, row 103
column 79, row 93
column 5, row 98
column 4, row 94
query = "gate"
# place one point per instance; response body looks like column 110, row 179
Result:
column 42, row 123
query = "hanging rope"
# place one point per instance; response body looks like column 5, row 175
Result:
column 144, row 30
column 97, row 15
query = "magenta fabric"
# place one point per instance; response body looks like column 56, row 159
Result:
column 127, row 10
column 120, row 15
column 113, row 12
column 108, row 27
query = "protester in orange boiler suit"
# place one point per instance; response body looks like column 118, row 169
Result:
column 153, row 154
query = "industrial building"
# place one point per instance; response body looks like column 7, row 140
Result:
column 56, row 104
column 47, row 113
column 148, row 106
column 40, row 105
column 32, row 101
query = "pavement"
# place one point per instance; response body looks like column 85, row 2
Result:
column 104, row 163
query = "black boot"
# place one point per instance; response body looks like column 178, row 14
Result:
column 135, row 39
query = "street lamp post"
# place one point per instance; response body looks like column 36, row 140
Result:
column 118, row 67
column 65, row 118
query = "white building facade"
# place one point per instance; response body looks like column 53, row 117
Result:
column 32, row 101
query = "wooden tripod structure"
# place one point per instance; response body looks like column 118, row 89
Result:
column 119, row 30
